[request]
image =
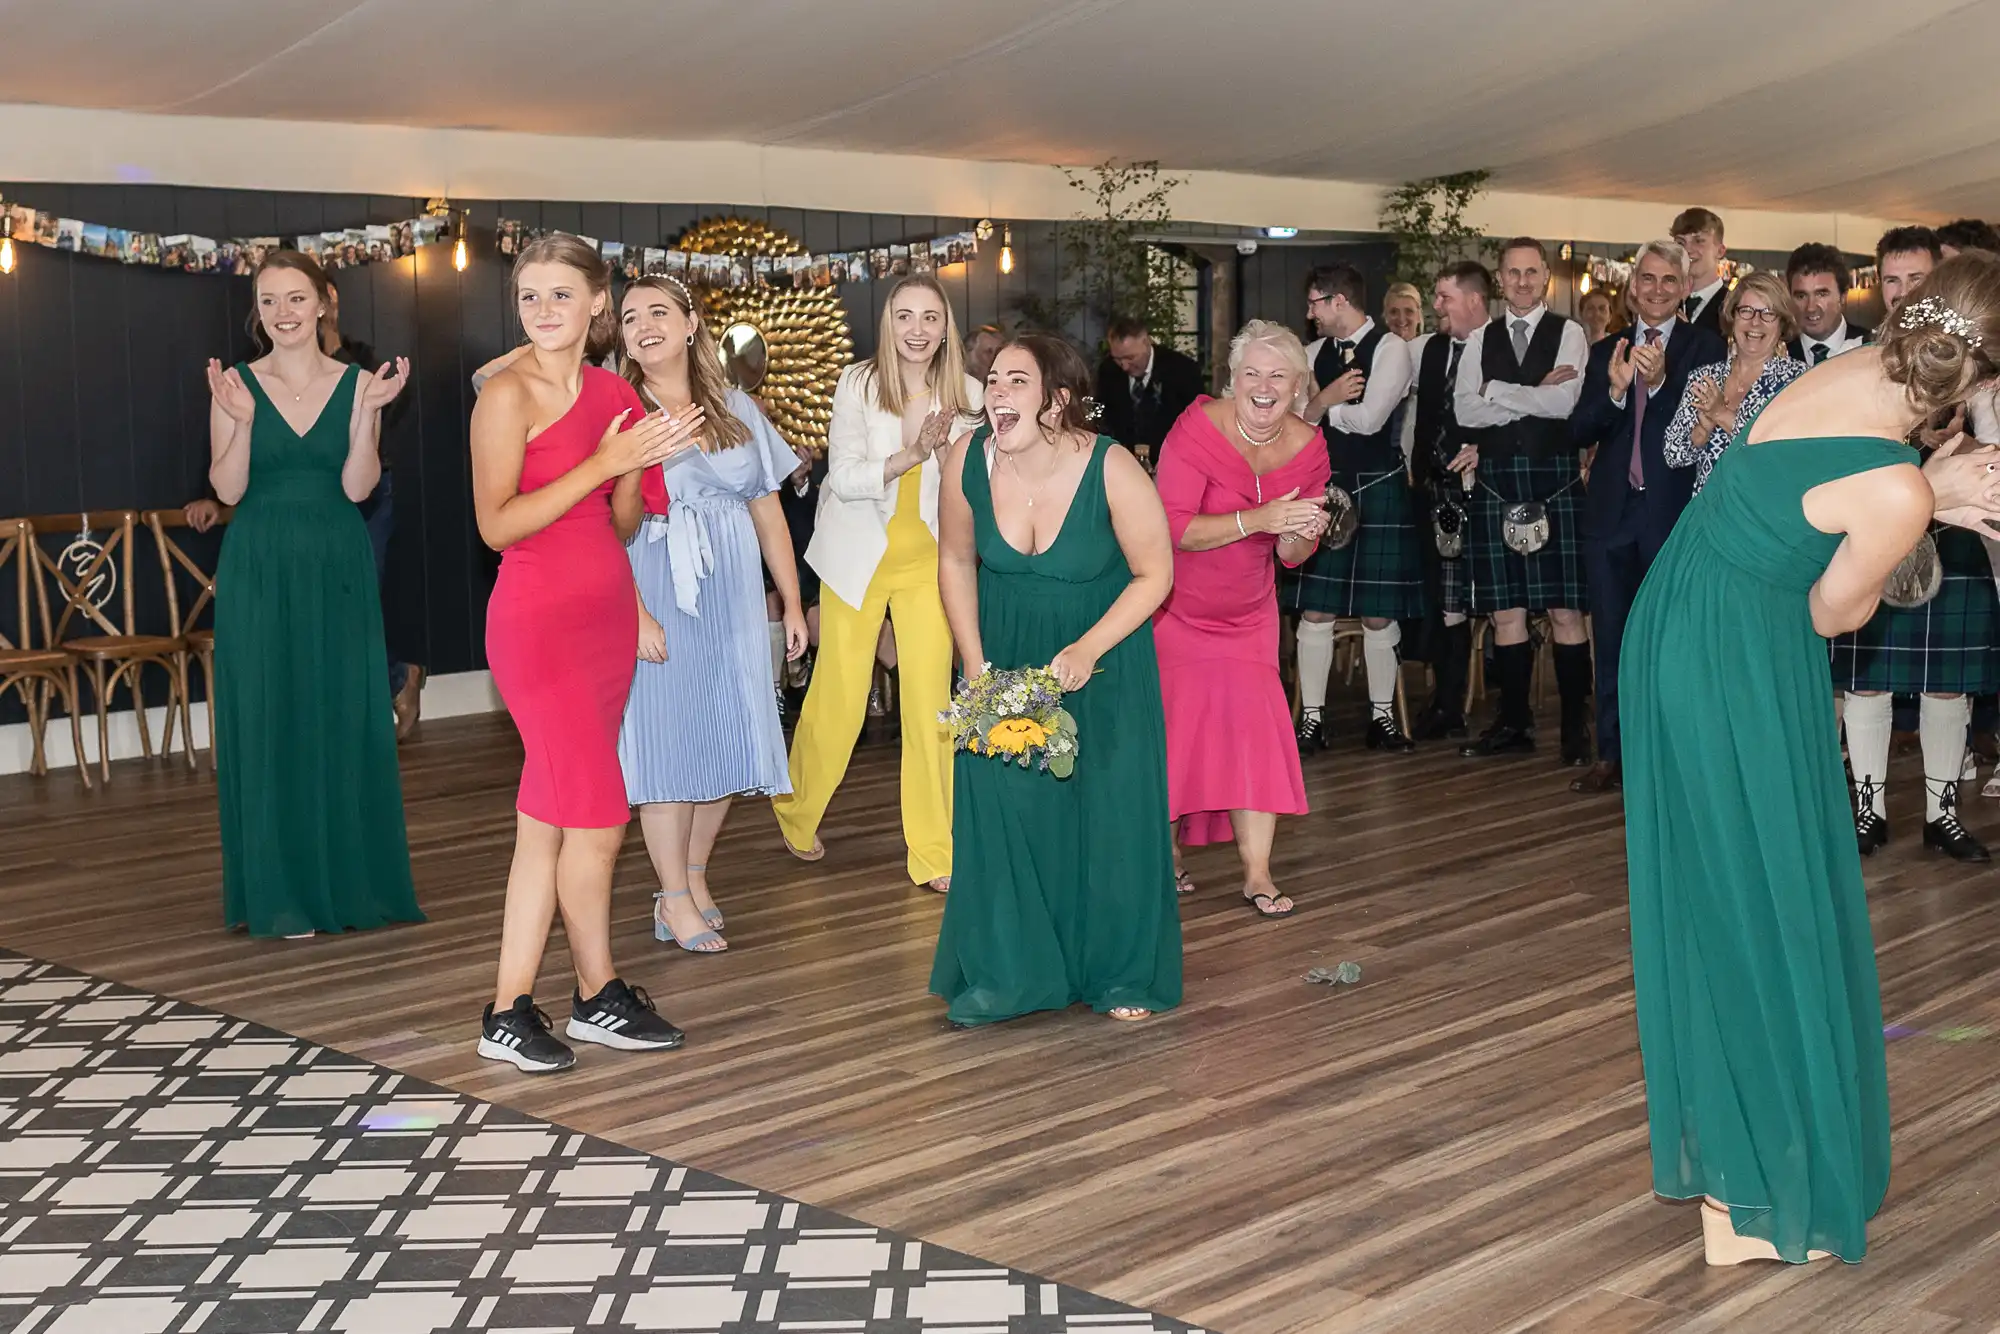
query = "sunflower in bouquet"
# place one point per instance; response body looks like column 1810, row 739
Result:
column 1016, row 715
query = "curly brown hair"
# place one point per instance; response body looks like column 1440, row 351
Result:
column 1063, row 372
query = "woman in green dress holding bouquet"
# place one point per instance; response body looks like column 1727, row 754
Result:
column 1053, row 552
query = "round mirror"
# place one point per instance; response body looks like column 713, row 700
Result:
column 744, row 356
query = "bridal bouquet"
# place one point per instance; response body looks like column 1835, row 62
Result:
column 1016, row 715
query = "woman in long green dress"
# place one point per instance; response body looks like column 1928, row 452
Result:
column 310, row 799
column 1053, row 551
column 1760, row 1017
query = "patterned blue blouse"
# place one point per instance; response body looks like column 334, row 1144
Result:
column 1679, row 446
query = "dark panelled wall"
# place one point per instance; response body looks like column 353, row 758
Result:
column 103, row 402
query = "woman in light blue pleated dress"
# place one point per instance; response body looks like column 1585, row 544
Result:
column 701, row 725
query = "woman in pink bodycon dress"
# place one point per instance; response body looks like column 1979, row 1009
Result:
column 557, row 451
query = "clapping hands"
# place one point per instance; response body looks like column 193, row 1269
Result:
column 379, row 390
column 230, row 393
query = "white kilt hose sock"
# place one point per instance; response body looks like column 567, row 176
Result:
column 1868, row 719
column 1378, row 656
column 1941, row 725
column 1315, row 663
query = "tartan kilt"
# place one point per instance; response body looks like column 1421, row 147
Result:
column 1501, row 579
column 1381, row 572
column 1944, row 647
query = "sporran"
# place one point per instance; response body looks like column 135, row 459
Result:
column 1917, row 578
column 1524, row 527
column 1343, row 519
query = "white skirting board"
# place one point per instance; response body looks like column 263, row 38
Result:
column 450, row 696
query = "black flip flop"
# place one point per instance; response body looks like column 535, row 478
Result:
column 1257, row 902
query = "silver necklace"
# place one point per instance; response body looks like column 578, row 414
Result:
column 1014, row 466
column 1252, row 440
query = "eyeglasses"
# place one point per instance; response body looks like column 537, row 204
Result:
column 1314, row 300
column 1757, row 315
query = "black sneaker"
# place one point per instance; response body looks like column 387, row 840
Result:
column 623, row 1017
column 1311, row 734
column 521, row 1037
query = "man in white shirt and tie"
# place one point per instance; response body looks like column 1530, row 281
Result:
column 1518, row 383
column 1361, row 373
column 1818, row 277
column 1699, row 232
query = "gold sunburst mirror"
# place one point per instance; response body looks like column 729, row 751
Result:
column 787, row 348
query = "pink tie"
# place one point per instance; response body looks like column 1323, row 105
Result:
column 1635, row 472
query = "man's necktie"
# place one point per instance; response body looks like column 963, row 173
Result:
column 1520, row 340
column 1635, row 471
column 1690, row 306
column 1818, row 351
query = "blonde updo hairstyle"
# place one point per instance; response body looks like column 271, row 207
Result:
column 1937, row 364
column 1278, row 338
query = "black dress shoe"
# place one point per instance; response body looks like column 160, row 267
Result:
column 1604, row 776
column 1500, row 739
column 1437, row 725
column 1951, row 838
column 1311, row 734
column 1871, row 831
column 1383, row 734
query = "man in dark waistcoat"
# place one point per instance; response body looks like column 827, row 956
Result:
column 1361, row 375
column 1459, row 299
column 1517, row 386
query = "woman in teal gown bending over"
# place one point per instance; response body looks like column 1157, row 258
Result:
column 1760, row 1019
column 1053, row 552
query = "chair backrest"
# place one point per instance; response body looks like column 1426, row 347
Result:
column 174, row 555
column 91, row 570
column 31, row 595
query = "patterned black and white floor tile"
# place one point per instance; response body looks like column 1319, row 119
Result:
column 168, row 1170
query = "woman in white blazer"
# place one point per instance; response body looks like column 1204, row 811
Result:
column 874, row 547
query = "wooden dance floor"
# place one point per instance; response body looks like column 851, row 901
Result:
column 1456, row 1144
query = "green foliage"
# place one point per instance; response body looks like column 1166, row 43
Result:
column 1426, row 219
column 1107, row 270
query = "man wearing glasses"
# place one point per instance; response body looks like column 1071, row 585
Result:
column 1361, row 374
column 1630, row 392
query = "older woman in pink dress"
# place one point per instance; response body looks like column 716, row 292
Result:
column 1243, row 480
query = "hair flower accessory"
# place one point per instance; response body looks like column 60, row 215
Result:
column 1930, row 310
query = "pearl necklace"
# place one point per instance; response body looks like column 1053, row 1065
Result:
column 1252, row 440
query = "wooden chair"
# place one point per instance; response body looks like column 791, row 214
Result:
column 30, row 663
column 198, row 639
column 95, row 568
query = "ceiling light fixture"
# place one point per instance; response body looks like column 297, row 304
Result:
column 459, row 256
column 1281, row 233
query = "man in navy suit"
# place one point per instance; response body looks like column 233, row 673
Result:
column 1631, row 389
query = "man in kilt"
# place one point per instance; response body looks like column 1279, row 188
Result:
column 1361, row 374
column 1630, row 391
column 1459, row 298
column 1942, row 650
column 1518, row 383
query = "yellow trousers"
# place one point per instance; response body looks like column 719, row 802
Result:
column 905, row 588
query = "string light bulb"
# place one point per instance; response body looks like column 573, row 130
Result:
column 1583, row 285
column 6, row 254
column 459, row 255
column 1007, row 249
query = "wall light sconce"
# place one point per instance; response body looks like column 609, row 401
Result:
column 6, row 254
column 1007, row 250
